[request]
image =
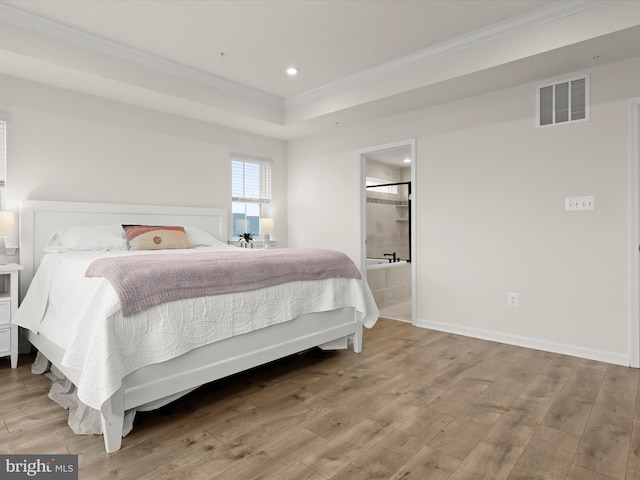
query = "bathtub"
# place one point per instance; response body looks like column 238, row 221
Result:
column 375, row 263
column 390, row 284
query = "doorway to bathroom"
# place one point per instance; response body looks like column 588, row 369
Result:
column 388, row 217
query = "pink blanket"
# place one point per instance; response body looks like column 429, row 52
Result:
column 143, row 281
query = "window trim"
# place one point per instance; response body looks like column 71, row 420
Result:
column 4, row 120
column 264, row 199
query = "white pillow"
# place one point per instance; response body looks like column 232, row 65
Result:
column 200, row 238
column 88, row 237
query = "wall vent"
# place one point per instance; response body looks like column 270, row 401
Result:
column 563, row 102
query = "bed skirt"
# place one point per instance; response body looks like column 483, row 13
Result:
column 84, row 420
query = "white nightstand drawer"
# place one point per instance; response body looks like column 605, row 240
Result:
column 5, row 340
column 5, row 313
column 8, row 304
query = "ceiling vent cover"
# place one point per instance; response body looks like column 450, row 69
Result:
column 563, row 102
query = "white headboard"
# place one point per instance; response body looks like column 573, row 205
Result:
column 39, row 220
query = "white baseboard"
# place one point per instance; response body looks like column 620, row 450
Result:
column 537, row 344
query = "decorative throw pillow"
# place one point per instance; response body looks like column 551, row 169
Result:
column 149, row 237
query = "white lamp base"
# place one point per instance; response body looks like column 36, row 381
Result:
column 3, row 251
column 267, row 240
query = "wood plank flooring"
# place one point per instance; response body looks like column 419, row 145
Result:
column 415, row 404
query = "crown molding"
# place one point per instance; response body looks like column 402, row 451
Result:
column 77, row 37
column 542, row 15
column 494, row 31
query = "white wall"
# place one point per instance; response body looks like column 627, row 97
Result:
column 75, row 147
column 326, row 204
column 489, row 196
column 490, row 191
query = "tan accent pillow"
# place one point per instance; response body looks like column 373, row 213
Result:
column 149, row 237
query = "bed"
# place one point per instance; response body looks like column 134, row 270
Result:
column 120, row 363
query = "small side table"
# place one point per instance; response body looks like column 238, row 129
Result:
column 8, row 306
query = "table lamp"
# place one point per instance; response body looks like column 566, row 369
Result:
column 266, row 229
column 7, row 229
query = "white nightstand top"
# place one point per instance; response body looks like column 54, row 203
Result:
column 10, row 267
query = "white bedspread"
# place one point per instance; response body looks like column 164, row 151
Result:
column 83, row 316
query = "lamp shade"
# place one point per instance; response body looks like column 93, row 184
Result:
column 7, row 223
column 266, row 225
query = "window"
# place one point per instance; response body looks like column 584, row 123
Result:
column 3, row 154
column 251, row 193
column 386, row 188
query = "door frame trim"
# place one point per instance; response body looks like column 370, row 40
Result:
column 634, row 234
column 411, row 143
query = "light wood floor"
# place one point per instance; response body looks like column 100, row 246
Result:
column 415, row 404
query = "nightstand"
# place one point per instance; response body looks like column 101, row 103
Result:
column 8, row 307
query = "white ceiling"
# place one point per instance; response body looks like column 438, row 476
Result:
column 223, row 61
column 327, row 40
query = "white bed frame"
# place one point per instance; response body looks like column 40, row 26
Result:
column 330, row 330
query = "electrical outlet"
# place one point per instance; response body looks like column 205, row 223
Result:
column 512, row 299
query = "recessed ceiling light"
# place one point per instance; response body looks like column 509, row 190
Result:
column 407, row 160
column 292, row 71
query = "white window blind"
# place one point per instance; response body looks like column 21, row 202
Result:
column 251, row 179
column 3, row 149
column 250, row 192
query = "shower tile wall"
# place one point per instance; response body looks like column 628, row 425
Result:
column 387, row 214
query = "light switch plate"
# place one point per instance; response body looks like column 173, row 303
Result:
column 579, row 204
